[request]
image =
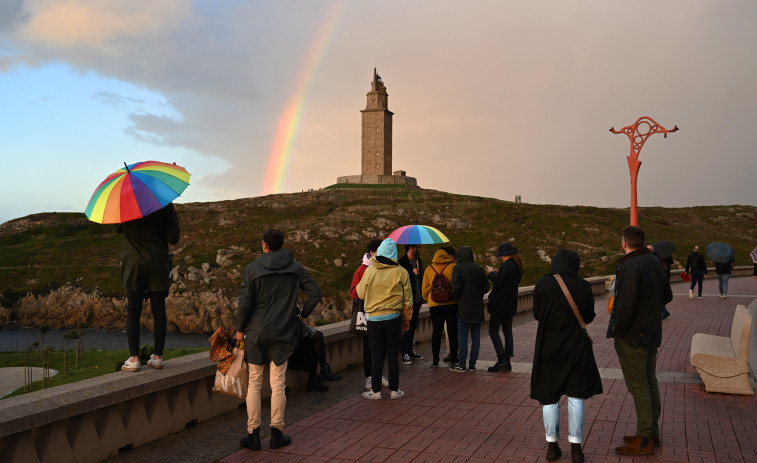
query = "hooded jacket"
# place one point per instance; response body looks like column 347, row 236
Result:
column 267, row 310
column 641, row 290
column 564, row 361
column 504, row 296
column 144, row 250
column 443, row 264
column 385, row 287
column 470, row 285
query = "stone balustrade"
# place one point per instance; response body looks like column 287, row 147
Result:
column 90, row 420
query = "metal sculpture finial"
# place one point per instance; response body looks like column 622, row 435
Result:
column 638, row 133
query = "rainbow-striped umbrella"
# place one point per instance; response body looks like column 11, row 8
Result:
column 136, row 191
column 418, row 234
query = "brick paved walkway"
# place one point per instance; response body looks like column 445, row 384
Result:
column 486, row 417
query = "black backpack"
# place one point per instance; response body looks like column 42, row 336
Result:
column 441, row 290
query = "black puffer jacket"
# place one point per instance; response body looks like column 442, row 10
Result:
column 563, row 357
column 641, row 290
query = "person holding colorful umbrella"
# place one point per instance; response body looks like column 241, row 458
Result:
column 413, row 237
column 139, row 198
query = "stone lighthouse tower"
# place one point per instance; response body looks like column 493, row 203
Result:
column 376, row 148
column 377, row 130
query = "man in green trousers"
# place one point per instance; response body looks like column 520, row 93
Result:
column 641, row 288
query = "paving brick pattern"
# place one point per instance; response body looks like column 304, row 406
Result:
column 486, row 417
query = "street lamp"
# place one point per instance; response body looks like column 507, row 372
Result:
column 637, row 133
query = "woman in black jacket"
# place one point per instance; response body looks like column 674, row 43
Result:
column 503, row 303
column 563, row 357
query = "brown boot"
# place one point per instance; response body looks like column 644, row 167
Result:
column 637, row 447
column 655, row 440
column 576, row 453
column 553, row 451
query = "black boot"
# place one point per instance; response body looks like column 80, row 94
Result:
column 278, row 439
column 553, row 451
column 314, row 384
column 576, row 454
column 252, row 441
column 328, row 375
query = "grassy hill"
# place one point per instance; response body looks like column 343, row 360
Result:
column 42, row 252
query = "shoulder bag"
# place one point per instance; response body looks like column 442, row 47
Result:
column 572, row 305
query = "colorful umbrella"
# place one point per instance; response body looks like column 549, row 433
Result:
column 136, row 191
column 719, row 252
column 418, row 234
column 753, row 255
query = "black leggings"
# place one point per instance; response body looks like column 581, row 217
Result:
column 499, row 320
column 134, row 313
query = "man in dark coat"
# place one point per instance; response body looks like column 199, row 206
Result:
column 412, row 262
column 145, row 270
column 641, row 288
column 469, row 284
column 267, row 322
column 503, row 304
column 563, row 357
column 698, row 267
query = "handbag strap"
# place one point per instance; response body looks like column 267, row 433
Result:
column 570, row 300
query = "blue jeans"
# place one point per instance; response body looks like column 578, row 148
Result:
column 551, row 415
column 462, row 338
column 697, row 277
column 723, row 283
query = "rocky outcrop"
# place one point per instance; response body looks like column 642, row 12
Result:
column 187, row 312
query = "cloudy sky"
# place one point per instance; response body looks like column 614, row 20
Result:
column 491, row 98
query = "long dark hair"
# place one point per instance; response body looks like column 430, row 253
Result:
column 518, row 260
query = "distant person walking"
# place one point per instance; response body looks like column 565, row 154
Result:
column 723, row 271
column 640, row 289
column 145, row 273
column 503, row 303
column 697, row 267
column 470, row 284
column 437, row 290
column 411, row 261
column 563, row 357
column 267, row 320
column 373, row 246
column 385, row 288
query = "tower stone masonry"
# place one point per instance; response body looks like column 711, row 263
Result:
column 376, row 146
column 377, row 130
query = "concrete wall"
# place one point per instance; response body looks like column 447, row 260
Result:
column 90, row 420
column 378, row 180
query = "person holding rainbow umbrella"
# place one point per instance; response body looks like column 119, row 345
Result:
column 139, row 199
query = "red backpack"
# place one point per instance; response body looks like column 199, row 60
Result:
column 441, row 289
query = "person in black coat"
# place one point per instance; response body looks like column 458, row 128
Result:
column 470, row 284
column 145, row 273
column 412, row 262
column 563, row 357
column 503, row 303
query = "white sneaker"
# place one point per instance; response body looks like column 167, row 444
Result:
column 155, row 362
column 131, row 366
column 373, row 395
column 398, row 394
column 369, row 382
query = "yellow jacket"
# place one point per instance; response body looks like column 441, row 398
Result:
column 441, row 258
column 385, row 288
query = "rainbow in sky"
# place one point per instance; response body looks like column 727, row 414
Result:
column 289, row 122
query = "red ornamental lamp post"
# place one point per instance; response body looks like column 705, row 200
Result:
column 637, row 133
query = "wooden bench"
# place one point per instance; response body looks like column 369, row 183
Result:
column 722, row 361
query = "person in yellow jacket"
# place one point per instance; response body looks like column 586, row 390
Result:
column 441, row 302
column 385, row 288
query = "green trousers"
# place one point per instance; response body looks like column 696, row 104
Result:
column 638, row 366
